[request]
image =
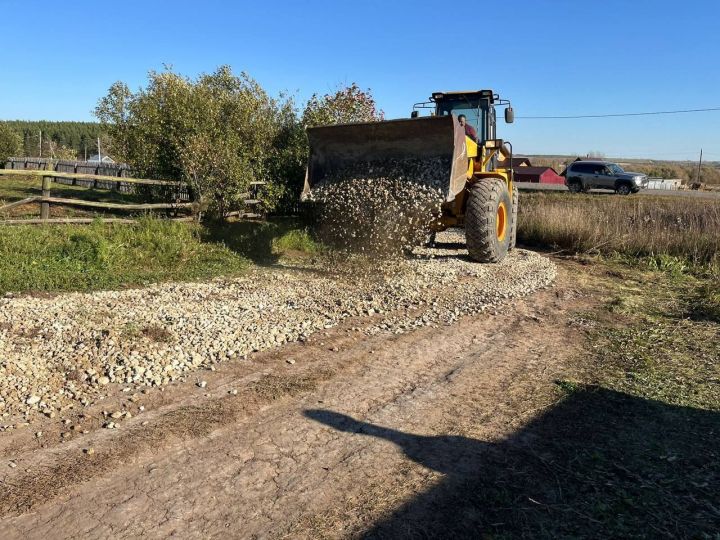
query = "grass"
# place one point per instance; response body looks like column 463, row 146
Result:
column 108, row 256
column 296, row 240
column 265, row 242
column 658, row 337
column 653, row 358
column 683, row 228
column 105, row 256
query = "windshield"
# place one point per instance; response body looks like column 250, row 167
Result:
column 474, row 114
column 615, row 169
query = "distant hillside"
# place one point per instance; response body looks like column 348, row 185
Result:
column 685, row 170
column 76, row 136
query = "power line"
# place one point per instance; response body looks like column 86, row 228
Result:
column 619, row 114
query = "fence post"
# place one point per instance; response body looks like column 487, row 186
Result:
column 45, row 205
column 197, row 209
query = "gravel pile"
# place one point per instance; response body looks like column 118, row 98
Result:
column 380, row 208
column 66, row 350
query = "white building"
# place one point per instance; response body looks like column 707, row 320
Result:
column 105, row 159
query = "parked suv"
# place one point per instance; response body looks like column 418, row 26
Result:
column 587, row 175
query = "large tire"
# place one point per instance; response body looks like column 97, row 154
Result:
column 514, row 224
column 487, row 221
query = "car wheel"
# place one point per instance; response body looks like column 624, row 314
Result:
column 623, row 189
column 575, row 187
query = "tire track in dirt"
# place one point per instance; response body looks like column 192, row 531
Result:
column 250, row 465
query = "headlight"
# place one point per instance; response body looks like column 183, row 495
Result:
column 638, row 180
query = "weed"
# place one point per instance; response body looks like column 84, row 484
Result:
column 130, row 331
column 671, row 233
column 568, row 387
column 296, row 240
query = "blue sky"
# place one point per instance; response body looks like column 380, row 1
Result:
column 549, row 57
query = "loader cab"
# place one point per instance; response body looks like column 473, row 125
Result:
column 478, row 106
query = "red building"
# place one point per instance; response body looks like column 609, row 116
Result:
column 541, row 175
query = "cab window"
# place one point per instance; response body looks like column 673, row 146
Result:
column 474, row 115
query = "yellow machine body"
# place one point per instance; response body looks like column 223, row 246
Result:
column 439, row 135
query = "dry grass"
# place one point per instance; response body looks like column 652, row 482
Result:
column 635, row 226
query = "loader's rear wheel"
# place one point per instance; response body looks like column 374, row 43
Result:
column 513, row 227
column 488, row 221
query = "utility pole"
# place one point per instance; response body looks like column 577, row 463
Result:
column 41, row 143
column 99, row 153
column 85, row 147
column 697, row 180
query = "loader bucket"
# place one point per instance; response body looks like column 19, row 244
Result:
column 338, row 146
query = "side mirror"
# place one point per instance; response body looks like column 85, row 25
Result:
column 414, row 114
column 509, row 115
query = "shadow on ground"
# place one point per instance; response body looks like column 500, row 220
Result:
column 252, row 239
column 600, row 464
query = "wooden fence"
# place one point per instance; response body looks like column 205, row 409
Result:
column 45, row 200
column 94, row 168
column 176, row 190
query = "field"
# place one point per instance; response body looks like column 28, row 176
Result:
column 657, row 228
column 277, row 390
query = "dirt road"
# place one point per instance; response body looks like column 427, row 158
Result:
column 360, row 435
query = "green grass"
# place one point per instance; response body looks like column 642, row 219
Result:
column 653, row 360
column 105, row 256
column 296, row 240
column 657, row 334
column 265, row 242
column 660, row 338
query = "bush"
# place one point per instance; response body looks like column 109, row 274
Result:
column 220, row 132
column 215, row 132
column 346, row 105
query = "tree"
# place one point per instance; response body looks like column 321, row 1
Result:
column 346, row 105
column 10, row 142
column 220, row 131
column 215, row 132
column 60, row 151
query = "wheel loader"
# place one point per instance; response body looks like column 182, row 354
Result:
column 479, row 193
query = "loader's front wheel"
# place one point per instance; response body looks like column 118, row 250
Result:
column 488, row 220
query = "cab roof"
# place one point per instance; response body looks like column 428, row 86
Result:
column 488, row 94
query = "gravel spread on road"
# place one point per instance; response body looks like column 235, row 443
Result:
column 380, row 208
column 75, row 348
